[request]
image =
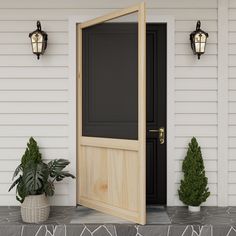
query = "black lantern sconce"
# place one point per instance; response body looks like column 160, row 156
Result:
column 38, row 40
column 198, row 40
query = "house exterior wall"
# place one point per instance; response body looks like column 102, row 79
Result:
column 232, row 103
column 35, row 94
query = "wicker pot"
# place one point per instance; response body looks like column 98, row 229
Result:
column 194, row 208
column 35, row 209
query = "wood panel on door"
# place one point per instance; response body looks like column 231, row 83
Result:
column 112, row 115
column 156, row 113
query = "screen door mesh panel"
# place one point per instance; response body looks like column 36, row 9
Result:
column 110, row 81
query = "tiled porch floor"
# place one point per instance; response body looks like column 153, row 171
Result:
column 210, row 221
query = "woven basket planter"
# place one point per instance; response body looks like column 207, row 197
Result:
column 35, row 209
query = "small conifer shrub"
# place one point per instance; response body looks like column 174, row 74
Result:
column 193, row 188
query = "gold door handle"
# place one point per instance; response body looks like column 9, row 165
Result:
column 161, row 132
column 162, row 135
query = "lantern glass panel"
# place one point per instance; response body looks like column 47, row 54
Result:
column 37, row 43
column 200, row 42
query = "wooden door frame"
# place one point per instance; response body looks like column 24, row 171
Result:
column 135, row 209
column 170, row 21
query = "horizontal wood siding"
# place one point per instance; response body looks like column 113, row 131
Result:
column 196, row 96
column 34, row 97
column 35, row 94
column 232, row 105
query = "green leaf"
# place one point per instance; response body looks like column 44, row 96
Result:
column 17, row 171
column 21, row 192
column 56, row 167
column 31, row 153
column 35, row 176
column 15, row 183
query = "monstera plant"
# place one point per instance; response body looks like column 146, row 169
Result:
column 34, row 177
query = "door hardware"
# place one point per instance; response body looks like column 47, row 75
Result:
column 153, row 130
column 161, row 132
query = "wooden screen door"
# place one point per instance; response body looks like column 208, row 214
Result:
column 112, row 114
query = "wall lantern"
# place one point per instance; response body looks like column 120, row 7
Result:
column 38, row 40
column 198, row 40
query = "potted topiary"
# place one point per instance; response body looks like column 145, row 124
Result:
column 193, row 189
column 35, row 182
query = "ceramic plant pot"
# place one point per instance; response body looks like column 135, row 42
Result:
column 35, row 209
column 194, row 208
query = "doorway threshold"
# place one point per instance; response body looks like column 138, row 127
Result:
column 155, row 215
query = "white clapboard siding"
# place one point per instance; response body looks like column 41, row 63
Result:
column 187, row 26
column 189, row 83
column 195, row 107
column 30, row 61
column 31, row 83
column 232, row 49
column 25, row 49
column 232, row 165
column 196, row 72
column 108, row 4
column 35, row 94
column 232, row 106
column 22, row 38
column 232, row 83
column 34, row 72
column 196, row 119
column 204, row 142
column 33, row 107
column 232, row 153
column 232, row 177
column 62, row 14
column 195, row 96
column 189, row 60
column 26, row 25
column 34, row 119
column 46, row 142
column 45, row 131
column 232, row 74
column 15, row 153
column 198, row 130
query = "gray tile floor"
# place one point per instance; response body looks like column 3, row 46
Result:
column 210, row 221
column 177, row 215
column 84, row 215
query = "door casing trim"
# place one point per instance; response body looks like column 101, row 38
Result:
column 72, row 140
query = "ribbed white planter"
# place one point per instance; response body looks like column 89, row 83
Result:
column 35, row 209
column 194, row 208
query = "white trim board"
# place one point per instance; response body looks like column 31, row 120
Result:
column 73, row 21
column 223, row 64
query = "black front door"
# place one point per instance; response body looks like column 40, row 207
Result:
column 156, row 114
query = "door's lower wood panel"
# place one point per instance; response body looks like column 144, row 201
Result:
column 112, row 210
column 109, row 179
